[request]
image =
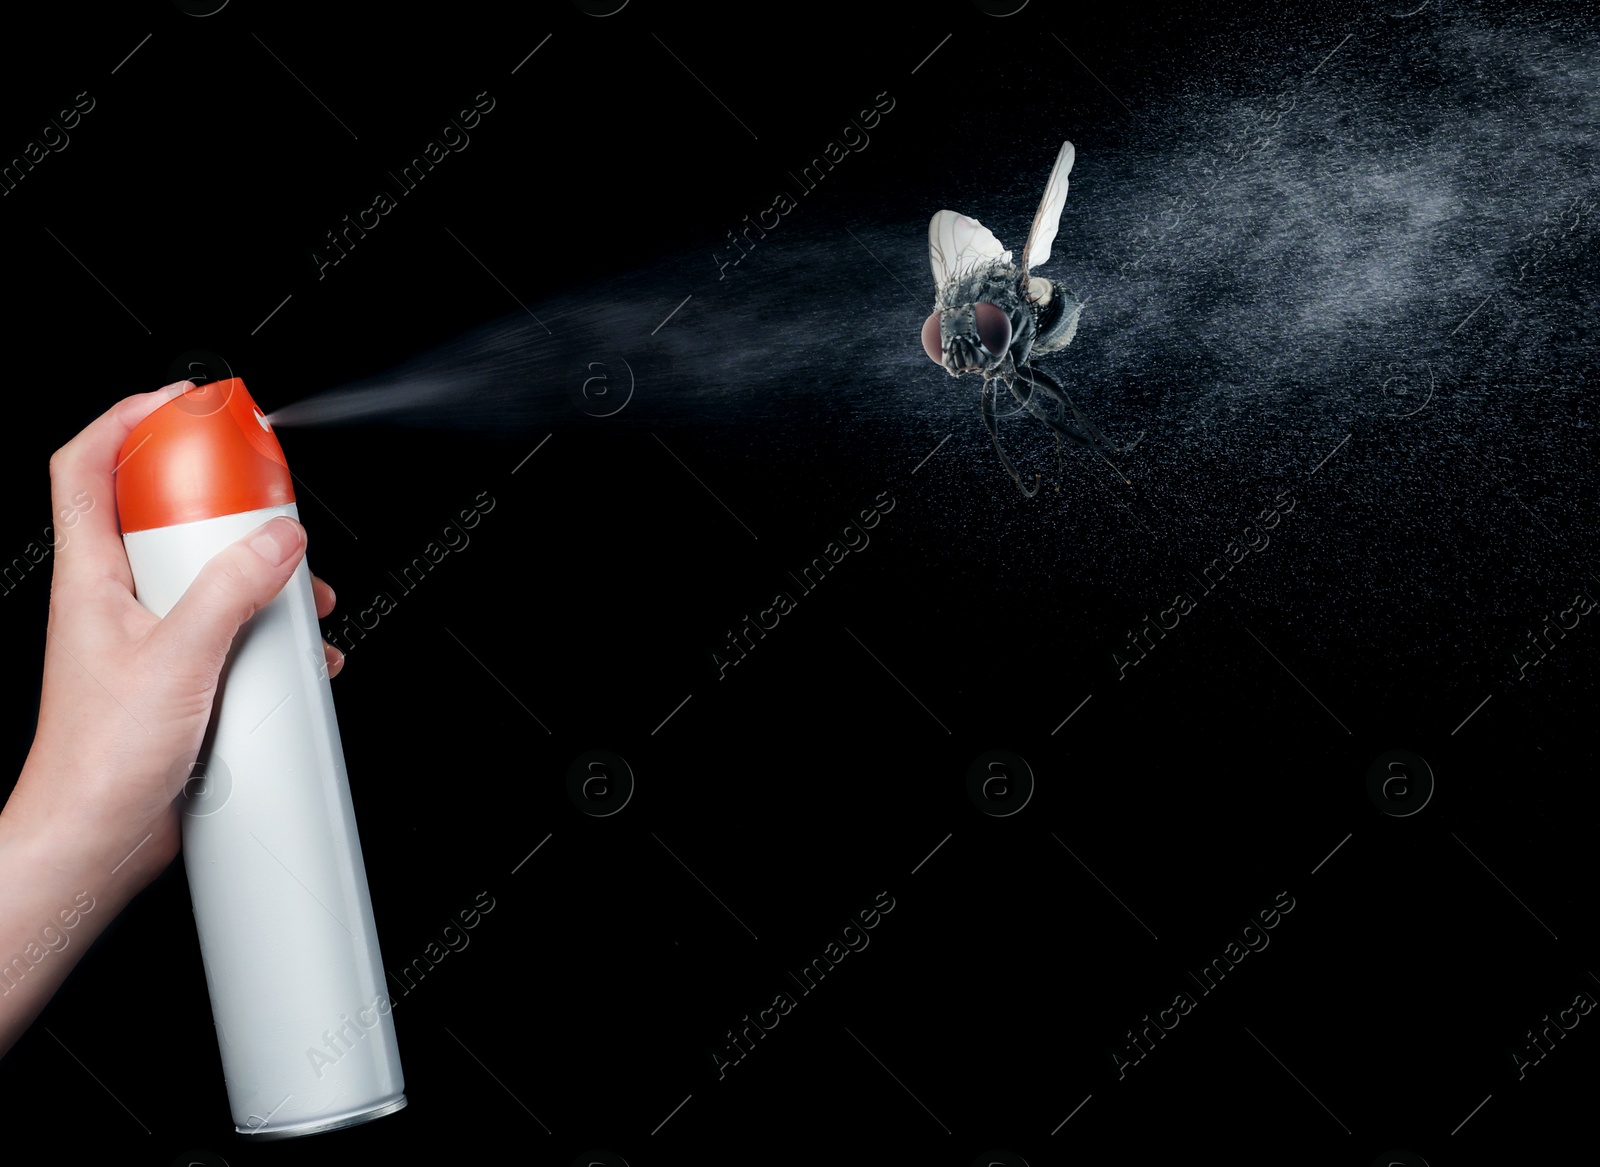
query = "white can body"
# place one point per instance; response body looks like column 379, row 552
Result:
column 274, row 863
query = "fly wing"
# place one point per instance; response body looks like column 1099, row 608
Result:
column 1045, row 221
column 956, row 244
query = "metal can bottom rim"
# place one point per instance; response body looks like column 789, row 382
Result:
column 261, row 1134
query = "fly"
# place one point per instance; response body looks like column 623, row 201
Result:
column 992, row 318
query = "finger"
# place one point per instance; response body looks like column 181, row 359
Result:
column 83, row 490
column 323, row 596
column 234, row 585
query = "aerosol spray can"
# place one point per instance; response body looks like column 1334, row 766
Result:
column 269, row 834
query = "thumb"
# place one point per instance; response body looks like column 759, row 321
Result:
column 237, row 583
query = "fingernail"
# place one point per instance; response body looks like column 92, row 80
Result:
column 334, row 657
column 277, row 541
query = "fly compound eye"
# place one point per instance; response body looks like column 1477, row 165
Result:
column 931, row 342
column 994, row 327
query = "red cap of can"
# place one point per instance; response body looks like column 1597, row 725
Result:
column 206, row 453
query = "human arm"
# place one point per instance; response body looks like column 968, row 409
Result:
column 125, row 703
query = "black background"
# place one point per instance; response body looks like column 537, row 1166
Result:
column 831, row 764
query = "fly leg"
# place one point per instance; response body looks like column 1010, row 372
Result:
column 1085, row 433
column 986, row 396
column 1042, row 388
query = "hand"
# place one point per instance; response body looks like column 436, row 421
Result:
column 126, row 700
